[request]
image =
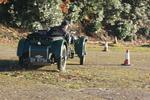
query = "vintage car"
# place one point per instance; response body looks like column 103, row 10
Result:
column 40, row 48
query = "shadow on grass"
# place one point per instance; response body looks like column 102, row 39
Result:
column 146, row 45
column 12, row 65
column 8, row 65
column 73, row 64
column 110, row 65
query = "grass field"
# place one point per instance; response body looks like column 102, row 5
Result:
column 101, row 70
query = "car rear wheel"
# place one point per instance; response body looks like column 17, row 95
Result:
column 82, row 60
column 23, row 61
column 61, row 64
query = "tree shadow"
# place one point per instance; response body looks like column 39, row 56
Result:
column 8, row 65
column 146, row 45
column 44, row 70
column 73, row 64
column 117, row 65
column 12, row 65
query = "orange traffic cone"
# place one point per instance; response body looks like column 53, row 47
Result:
column 127, row 58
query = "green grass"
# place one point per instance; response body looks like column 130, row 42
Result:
column 95, row 75
column 118, row 47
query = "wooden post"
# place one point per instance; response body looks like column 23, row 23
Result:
column 115, row 40
column 106, row 46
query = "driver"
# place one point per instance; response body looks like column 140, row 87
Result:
column 59, row 30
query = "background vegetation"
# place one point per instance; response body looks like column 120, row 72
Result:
column 126, row 19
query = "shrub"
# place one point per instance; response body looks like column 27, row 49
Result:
column 41, row 13
column 145, row 32
column 124, row 29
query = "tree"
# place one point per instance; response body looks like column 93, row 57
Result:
column 4, row 11
column 91, row 15
column 35, row 14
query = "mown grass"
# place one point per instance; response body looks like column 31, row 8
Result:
column 93, row 75
column 118, row 47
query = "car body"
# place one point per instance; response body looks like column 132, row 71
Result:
column 39, row 48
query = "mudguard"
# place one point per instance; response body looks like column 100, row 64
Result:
column 57, row 46
column 23, row 46
column 79, row 46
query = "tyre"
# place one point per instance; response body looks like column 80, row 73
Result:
column 61, row 63
column 23, row 62
column 82, row 60
column 20, row 61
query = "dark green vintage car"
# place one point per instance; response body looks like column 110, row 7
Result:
column 40, row 48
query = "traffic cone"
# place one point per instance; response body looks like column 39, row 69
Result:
column 106, row 46
column 127, row 58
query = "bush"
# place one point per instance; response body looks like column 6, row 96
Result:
column 144, row 32
column 117, row 17
column 4, row 13
column 32, row 14
column 129, row 38
column 124, row 29
column 92, row 28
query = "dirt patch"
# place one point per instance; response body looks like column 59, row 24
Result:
column 119, row 94
column 20, row 89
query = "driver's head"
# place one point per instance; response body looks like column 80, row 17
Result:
column 64, row 23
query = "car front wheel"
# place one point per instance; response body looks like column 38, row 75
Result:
column 61, row 64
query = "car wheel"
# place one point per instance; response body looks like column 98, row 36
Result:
column 61, row 64
column 82, row 60
column 23, row 62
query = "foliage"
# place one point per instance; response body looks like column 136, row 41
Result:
column 112, row 11
column 93, row 15
column 124, row 30
column 46, row 13
column 145, row 32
